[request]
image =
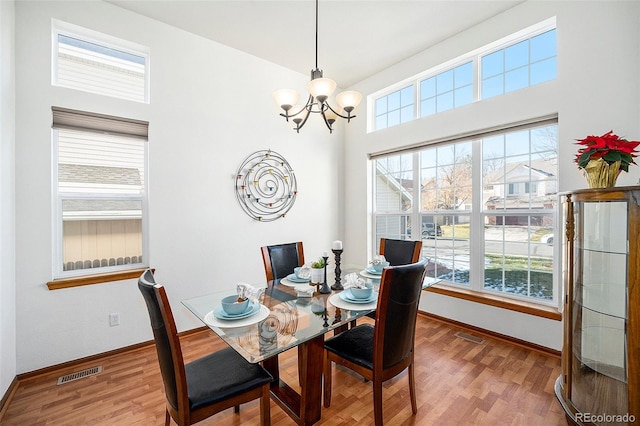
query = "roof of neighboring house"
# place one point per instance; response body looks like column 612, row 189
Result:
column 79, row 173
column 545, row 168
column 91, row 177
column 404, row 187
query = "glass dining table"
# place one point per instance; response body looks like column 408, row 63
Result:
column 282, row 321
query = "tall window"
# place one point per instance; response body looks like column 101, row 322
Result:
column 445, row 206
column 100, row 190
column 486, row 211
column 520, row 65
column 93, row 62
column 394, row 197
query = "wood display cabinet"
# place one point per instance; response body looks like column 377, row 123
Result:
column 600, row 381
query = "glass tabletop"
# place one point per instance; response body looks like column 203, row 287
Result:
column 289, row 321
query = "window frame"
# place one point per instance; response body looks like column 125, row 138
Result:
column 473, row 56
column 110, row 273
column 475, row 290
column 84, row 34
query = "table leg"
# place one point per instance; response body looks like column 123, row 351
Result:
column 305, row 408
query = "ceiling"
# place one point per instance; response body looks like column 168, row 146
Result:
column 356, row 38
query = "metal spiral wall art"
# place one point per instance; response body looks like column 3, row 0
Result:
column 266, row 186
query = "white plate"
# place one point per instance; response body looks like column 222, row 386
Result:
column 253, row 307
column 366, row 274
column 212, row 321
column 289, row 283
column 371, row 270
column 336, row 301
column 293, row 278
column 347, row 296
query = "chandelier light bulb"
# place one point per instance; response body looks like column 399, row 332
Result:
column 349, row 100
column 321, row 88
column 286, row 98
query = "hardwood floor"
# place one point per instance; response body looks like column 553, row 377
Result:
column 458, row 382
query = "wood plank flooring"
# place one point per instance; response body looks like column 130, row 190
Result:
column 458, row 382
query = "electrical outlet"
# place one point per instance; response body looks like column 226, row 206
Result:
column 114, row 319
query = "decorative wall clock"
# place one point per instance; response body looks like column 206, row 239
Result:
column 266, row 186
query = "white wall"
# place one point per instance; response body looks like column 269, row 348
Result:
column 211, row 106
column 7, row 199
column 596, row 90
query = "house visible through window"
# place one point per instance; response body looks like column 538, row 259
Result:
column 94, row 62
column 489, row 237
column 100, row 192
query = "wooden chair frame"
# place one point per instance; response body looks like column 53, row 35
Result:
column 378, row 374
column 183, row 416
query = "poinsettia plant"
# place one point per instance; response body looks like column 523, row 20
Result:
column 610, row 147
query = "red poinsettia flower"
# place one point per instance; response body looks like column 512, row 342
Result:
column 610, row 147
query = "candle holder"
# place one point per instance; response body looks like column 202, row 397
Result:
column 338, row 283
column 325, row 288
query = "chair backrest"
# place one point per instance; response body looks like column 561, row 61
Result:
column 400, row 252
column 279, row 260
column 399, row 295
column 166, row 338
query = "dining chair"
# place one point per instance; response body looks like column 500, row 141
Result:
column 208, row 385
column 400, row 252
column 381, row 351
column 279, row 260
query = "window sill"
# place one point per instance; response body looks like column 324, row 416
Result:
column 94, row 279
column 499, row 302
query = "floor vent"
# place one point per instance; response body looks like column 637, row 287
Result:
column 469, row 337
column 79, row 375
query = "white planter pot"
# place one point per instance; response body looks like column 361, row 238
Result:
column 317, row 275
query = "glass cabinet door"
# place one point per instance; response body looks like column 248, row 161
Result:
column 599, row 323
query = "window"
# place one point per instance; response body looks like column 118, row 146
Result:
column 100, row 192
column 520, row 65
column 447, row 90
column 488, row 237
column 93, row 62
column 395, row 108
column 394, row 197
column 520, row 60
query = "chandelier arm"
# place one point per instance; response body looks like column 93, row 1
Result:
column 302, row 123
column 347, row 117
column 324, row 117
column 307, row 106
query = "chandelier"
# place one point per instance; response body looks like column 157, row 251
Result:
column 320, row 89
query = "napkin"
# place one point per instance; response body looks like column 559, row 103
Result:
column 247, row 291
column 305, row 292
column 353, row 280
column 379, row 258
column 305, row 271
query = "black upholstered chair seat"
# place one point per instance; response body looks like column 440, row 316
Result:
column 356, row 345
column 233, row 376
